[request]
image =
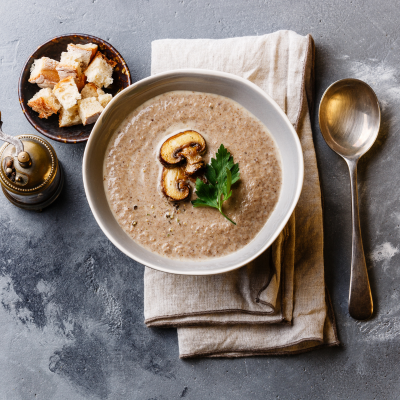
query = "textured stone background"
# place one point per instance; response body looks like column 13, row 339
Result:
column 71, row 313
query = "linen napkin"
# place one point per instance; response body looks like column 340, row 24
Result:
column 277, row 304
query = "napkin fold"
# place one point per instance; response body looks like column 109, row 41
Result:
column 277, row 304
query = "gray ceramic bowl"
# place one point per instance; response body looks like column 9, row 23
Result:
column 245, row 93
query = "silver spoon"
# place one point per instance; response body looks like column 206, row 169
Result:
column 349, row 118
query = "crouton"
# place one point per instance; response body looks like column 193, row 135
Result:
column 87, row 51
column 89, row 110
column 100, row 71
column 69, row 117
column 67, row 92
column 80, row 81
column 44, row 73
column 71, row 65
column 45, row 103
column 89, row 90
column 104, row 99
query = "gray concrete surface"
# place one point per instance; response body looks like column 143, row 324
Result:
column 71, row 313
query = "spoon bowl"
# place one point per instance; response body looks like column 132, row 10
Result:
column 349, row 118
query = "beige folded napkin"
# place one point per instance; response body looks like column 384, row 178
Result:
column 277, row 304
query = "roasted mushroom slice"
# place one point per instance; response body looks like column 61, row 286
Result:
column 174, row 184
column 192, row 169
column 186, row 145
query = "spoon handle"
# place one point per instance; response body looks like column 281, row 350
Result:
column 360, row 297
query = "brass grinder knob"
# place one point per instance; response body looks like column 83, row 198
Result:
column 24, row 159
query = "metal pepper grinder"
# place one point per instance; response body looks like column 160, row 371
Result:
column 30, row 174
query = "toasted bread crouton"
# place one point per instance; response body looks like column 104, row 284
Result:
column 71, row 65
column 80, row 81
column 87, row 51
column 67, row 92
column 69, row 117
column 44, row 73
column 104, row 99
column 100, row 71
column 89, row 110
column 89, row 90
column 45, row 103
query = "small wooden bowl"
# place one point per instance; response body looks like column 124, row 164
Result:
column 52, row 49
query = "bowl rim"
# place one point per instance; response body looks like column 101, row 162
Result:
column 203, row 73
column 25, row 107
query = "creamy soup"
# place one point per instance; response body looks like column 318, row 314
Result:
column 132, row 176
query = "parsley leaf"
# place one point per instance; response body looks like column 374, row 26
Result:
column 221, row 174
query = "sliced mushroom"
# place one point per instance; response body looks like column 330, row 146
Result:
column 188, row 145
column 174, row 184
column 192, row 169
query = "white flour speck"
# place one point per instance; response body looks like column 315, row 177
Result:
column 381, row 330
column 383, row 79
column 343, row 57
column 384, row 252
column 397, row 216
column 379, row 73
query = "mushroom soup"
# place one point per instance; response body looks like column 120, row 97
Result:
column 133, row 175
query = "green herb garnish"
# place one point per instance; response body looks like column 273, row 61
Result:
column 221, row 174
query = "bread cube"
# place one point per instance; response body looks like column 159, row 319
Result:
column 89, row 110
column 89, row 90
column 45, row 103
column 69, row 117
column 104, row 99
column 67, row 92
column 100, row 71
column 44, row 73
column 71, row 65
column 87, row 51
